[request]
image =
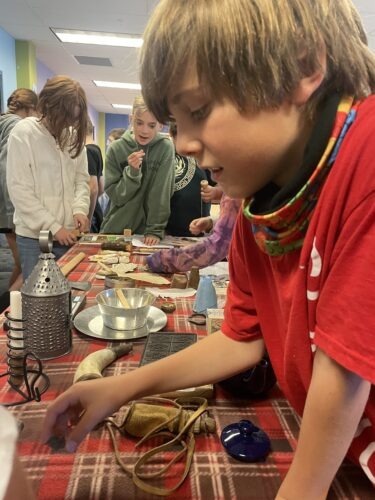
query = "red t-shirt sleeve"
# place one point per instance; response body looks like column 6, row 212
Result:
column 345, row 316
column 240, row 318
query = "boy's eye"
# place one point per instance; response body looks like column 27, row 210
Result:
column 201, row 113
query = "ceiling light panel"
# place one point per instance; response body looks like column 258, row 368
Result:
column 122, row 106
column 118, row 85
column 97, row 38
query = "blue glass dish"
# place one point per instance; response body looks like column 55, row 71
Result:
column 246, row 442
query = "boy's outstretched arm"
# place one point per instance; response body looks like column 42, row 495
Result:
column 86, row 404
column 334, row 406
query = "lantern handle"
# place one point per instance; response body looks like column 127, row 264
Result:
column 45, row 241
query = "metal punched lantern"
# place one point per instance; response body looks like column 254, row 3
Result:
column 46, row 306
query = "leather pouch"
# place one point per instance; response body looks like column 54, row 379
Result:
column 176, row 421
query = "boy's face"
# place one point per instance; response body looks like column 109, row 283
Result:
column 145, row 127
column 244, row 151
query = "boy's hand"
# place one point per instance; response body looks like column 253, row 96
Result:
column 65, row 237
column 78, row 410
column 135, row 159
column 201, row 225
column 150, row 239
column 81, row 222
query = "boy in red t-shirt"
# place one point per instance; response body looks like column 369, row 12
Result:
column 273, row 98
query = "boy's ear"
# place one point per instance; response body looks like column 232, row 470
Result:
column 309, row 84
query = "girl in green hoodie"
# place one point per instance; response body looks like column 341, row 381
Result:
column 139, row 178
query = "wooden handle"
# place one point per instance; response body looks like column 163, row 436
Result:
column 71, row 264
column 123, row 299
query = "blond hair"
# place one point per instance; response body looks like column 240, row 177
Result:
column 22, row 99
column 139, row 106
column 254, row 52
column 58, row 102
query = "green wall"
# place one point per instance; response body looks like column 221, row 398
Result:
column 26, row 65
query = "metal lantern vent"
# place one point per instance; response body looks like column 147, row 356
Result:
column 46, row 306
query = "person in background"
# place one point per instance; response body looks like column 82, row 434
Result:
column 21, row 104
column 115, row 134
column 202, row 225
column 47, row 174
column 186, row 202
column 95, row 166
column 210, row 250
column 277, row 100
column 211, row 192
column 139, row 178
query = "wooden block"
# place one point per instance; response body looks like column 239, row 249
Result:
column 194, row 278
column 72, row 263
column 76, row 232
column 179, row 281
column 119, row 246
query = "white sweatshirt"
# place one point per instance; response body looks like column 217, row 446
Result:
column 46, row 186
column 8, row 438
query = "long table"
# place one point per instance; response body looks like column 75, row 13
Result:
column 92, row 473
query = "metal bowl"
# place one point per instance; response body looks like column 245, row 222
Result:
column 117, row 317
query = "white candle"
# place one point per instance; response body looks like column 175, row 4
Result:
column 16, row 313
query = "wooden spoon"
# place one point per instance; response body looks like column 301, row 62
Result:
column 122, row 298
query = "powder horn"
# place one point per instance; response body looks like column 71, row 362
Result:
column 92, row 366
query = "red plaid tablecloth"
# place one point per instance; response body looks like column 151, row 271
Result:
column 92, row 473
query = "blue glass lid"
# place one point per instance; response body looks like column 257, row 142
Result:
column 244, row 441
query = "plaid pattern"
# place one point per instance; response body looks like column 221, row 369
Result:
column 92, row 472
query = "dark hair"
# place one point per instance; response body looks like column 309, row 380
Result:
column 173, row 129
column 116, row 133
column 58, row 103
column 89, row 127
column 22, row 99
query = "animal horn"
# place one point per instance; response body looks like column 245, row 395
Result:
column 92, row 366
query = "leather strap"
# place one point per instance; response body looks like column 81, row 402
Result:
column 185, row 439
